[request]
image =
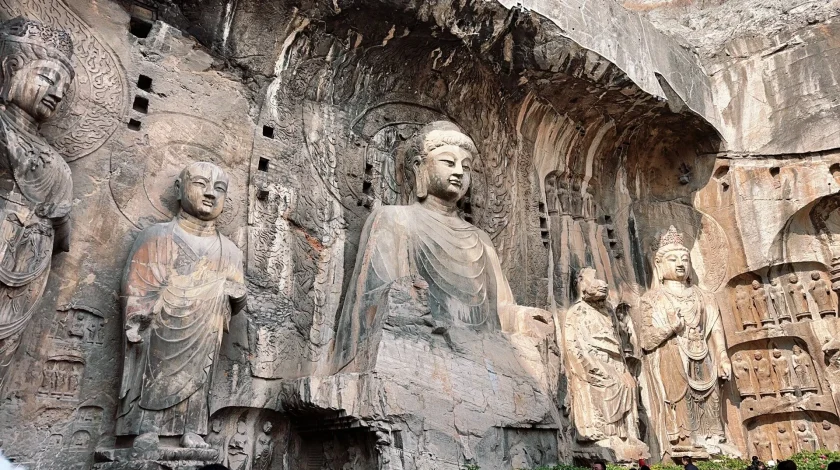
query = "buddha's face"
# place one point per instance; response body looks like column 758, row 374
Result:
column 826, row 425
column 449, row 169
column 675, row 265
column 756, row 285
column 202, row 191
column 267, row 427
column 39, row 87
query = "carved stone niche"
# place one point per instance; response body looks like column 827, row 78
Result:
column 778, row 375
column 248, row 438
column 778, row 436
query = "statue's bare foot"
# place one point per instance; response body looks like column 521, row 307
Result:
column 192, row 440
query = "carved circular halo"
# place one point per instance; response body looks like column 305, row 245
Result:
column 143, row 185
column 97, row 100
column 703, row 235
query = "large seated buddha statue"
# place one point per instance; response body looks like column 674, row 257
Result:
column 430, row 242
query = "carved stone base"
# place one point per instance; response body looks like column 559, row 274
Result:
column 148, row 454
column 613, row 449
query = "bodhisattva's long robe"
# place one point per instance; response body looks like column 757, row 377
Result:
column 187, row 284
column 601, row 390
column 36, row 192
column 466, row 284
column 683, row 368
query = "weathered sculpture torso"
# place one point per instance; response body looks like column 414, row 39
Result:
column 36, row 189
column 686, row 353
column 182, row 283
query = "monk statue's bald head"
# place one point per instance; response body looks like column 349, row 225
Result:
column 201, row 189
column 438, row 162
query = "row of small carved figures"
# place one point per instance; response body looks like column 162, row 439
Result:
column 759, row 370
column 780, row 443
column 783, row 302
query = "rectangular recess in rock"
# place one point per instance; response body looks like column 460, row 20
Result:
column 268, row 131
column 141, row 105
column 263, row 164
column 134, row 124
column 144, row 83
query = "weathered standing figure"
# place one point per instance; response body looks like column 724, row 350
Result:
column 781, row 367
column 805, row 437
column 823, row 296
column 779, row 302
column 601, row 389
column 759, row 297
column 182, row 283
column 744, row 307
column 784, row 440
column 799, row 300
column 763, row 374
column 742, row 369
column 686, row 353
column 804, row 369
column 36, row 191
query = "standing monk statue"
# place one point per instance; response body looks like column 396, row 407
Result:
column 183, row 282
column 428, row 239
column 36, row 190
column 686, row 354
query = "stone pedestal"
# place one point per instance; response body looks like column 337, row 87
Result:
column 147, row 453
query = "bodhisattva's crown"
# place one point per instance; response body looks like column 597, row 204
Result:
column 33, row 32
column 670, row 239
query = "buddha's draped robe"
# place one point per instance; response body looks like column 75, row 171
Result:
column 602, row 392
column 684, row 367
column 186, row 283
column 466, row 285
column 36, row 190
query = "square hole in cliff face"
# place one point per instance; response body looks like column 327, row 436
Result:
column 268, row 131
column 141, row 105
column 263, row 164
column 142, row 20
column 144, row 83
column 134, row 124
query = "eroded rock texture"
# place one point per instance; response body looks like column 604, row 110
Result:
column 594, row 133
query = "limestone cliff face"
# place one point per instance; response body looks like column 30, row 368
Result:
column 598, row 125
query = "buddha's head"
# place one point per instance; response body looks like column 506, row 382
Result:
column 793, row 279
column 267, row 426
column 815, row 276
column 826, row 425
column 439, row 161
column 35, row 67
column 590, row 288
column 758, row 356
column 672, row 261
column 201, row 189
column 756, row 285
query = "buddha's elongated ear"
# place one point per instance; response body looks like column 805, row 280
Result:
column 421, row 184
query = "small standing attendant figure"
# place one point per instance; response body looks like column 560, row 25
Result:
column 823, row 296
column 798, row 298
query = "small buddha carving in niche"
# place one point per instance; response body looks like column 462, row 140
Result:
column 182, row 283
column 759, row 296
column 36, row 189
column 799, row 300
column 822, row 294
column 429, row 239
column 778, row 301
column 601, row 388
column 686, row 352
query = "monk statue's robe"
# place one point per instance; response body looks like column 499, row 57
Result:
column 458, row 261
column 36, row 194
column 187, row 285
column 602, row 391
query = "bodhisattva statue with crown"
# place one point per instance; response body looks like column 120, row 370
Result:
column 686, row 356
column 182, row 283
column 36, row 190
column 429, row 240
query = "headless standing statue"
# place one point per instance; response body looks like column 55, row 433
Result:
column 36, row 190
column 182, row 283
